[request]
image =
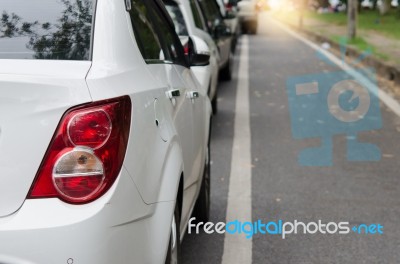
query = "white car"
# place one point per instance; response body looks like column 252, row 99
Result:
column 217, row 27
column 248, row 15
column 229, row 13
column 370, row 4
column 367, row 4
column 187, row 19
column 104, row 133
column 12, row 260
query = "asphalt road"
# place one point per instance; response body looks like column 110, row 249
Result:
column 358, row 192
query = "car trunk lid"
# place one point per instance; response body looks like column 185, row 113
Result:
column 34, row 94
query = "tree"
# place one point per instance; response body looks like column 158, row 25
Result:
column 352, row 19
column 385, row 7
column 303, row 4
column 398, row 12
column 10, row 26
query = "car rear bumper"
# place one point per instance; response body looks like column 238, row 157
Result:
column 117, row 228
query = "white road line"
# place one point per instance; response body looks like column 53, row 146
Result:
column 389, row 101
column 237, row 248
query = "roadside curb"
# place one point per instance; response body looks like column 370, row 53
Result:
column 387, row 70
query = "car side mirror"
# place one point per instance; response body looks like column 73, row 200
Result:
column 222, row 30
column 198, row 52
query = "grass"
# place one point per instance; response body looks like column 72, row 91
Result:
column 360, row 44
column 388, row 25
column 369, row 21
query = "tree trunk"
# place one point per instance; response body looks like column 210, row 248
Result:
column 351, row 19
column 385, row 7
column 301, row 13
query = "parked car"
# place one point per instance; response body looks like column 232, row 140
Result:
column 104, row 133
column 231, row 5
column 187, row 19
column 222, row 35
column 229, row 13
column 248, row 15
column 369, row 4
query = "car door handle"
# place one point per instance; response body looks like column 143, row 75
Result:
column 173, row 93
column 192, row 95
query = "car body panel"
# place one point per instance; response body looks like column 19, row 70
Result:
column 214, row 63
column 206, row 75
column 230, row 18
column 34, row 96
column 247, row 10
column 213, row 18
column 48, row 231
column 132, row 220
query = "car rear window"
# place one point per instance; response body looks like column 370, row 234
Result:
column 46, row 29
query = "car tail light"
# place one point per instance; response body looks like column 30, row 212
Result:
column 86, row 153
column 90, row 129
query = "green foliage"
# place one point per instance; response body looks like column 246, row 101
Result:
column 360, row 44
column 368, row 20
column 10, row 26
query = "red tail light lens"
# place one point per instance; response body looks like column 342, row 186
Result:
column 86, row 153
column 90, row 129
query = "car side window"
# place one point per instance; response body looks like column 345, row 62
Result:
column 166, row 29
column 155, row 34
column 146, row 35
column 177, row 17
column 198, row 20
column 211, row 13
